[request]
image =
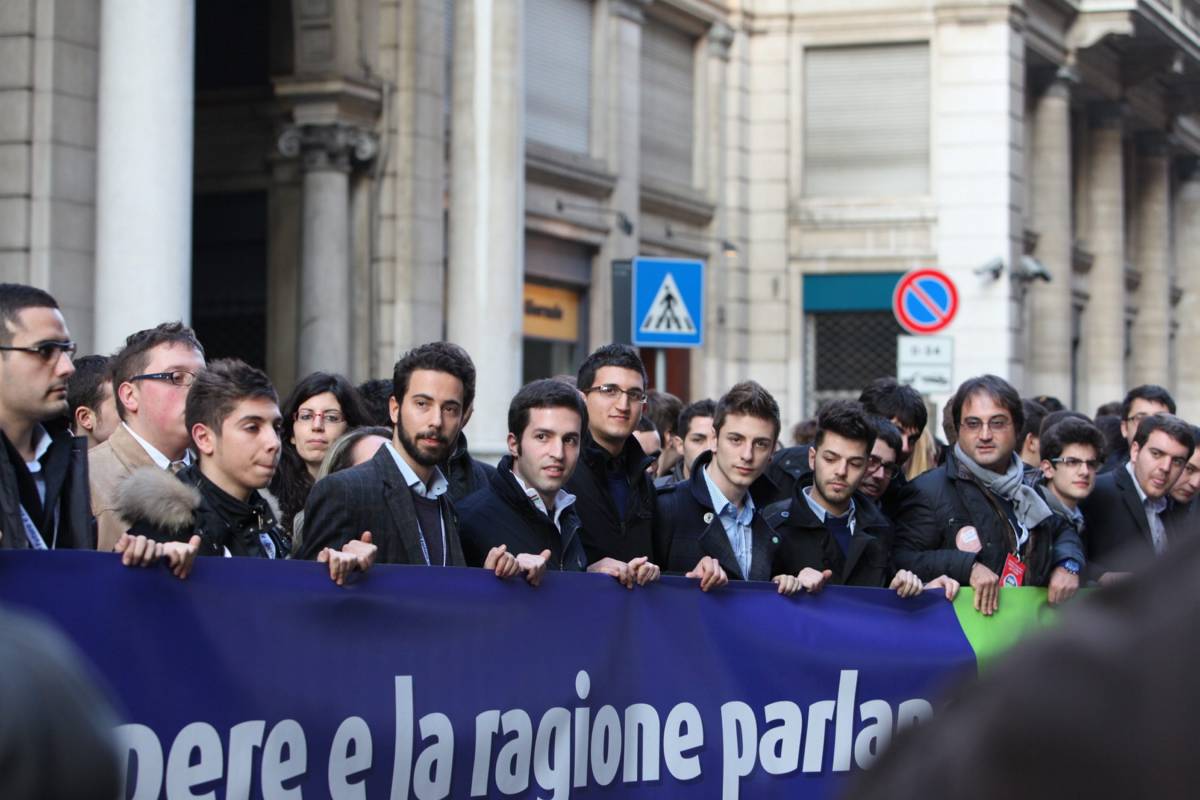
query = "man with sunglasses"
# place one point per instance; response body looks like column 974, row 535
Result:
column 43, row 474
column 973, row 518
column 1124, row 515
column 151, row 377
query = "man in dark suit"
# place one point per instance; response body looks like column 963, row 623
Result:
column 400, row 495
column 1139, row 403
column 1123, row 516
column 716, row 513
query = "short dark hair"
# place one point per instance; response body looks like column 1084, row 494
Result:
column 646, row 425
column 1150, row 392
column 544, row 393
column 1055, row 417
column 889, row 398
column 1034, row 413
column 132, row 359
column 847, row 419
column 220, row 387
column 610, row 355
column 663, row 410
column 1109, row 409
column 437, row 357
column 1070, row 430
column 15, row 298
column 1050, row 403
column 1169, row 424
column 804, row 431
column 750, row 399
column 700, row 408
column 998, row 389
column 84, row 388
column 884, row 429
column 375, row 394
column 1110, row 426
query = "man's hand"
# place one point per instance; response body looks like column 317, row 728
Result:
column 987, row 589
column 710, row 573
column 617, row 569
column 788, row 584
column 1063, row 586
column 501, row 562
column 946, row 583
column 533, row 566
column 138, row 551
column 180, row 557
column 812, row 581
column 643, row 571
column 356, row 554
column 906, row 584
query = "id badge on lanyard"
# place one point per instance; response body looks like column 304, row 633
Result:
column 1014, row 572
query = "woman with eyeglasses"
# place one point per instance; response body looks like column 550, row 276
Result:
column 320, row 409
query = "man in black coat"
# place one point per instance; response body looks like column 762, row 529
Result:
column 44, row 497
column 1182, row 517
column 972, row 518
column 614, row 495
column 715, row 514
column 1139, row 403
column 465, row 474
column 524, row 507
column 1124, row 515
column 827, row 525
column 400, row 495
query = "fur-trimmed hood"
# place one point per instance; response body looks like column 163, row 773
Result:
column 154, row 498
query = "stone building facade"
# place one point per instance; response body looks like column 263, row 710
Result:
column 324, row 183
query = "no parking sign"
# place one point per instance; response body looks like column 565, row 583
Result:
column 925, row 301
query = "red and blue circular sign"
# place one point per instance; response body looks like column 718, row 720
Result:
column 925, row 301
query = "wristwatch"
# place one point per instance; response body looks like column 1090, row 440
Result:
column 1070, row 565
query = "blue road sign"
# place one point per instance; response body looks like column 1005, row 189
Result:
column 668, row 302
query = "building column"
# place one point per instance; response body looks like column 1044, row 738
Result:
column 487, row 208
column 1187, row 248
column 619, row 132
column 144, row 167
column 323, row 340
column 1152, row 258
column 1050, row 303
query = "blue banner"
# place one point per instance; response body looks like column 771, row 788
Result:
column 257, row 679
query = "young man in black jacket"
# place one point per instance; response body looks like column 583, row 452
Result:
column 524, row 507
column 716, row 513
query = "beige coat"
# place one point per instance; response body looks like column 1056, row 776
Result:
column 109, row 464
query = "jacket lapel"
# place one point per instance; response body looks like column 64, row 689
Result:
column 764, row 543
column 400, row 506
column 858, row 543
column 715, row 542
column 1133, row 502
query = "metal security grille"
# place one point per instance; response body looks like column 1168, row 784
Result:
column 846, row 351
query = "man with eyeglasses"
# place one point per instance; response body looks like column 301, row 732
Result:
column 151, row 377
column 43, row 475
column 614, row 493
column 1124, row 515
column 973, row 518
column 1139, row 403
column 1070, row 449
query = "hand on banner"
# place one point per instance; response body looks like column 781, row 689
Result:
column 642, row 571
column 946, row 583
column 138, row 551
column 812, row 581
column 617, row 569
column 987, row 589
column 788, row 584
column 181, row 556
column 356, row 554
column 710, row 572
column 533, row 566
column 1063, row 586
column 502, row 562
column 906, row 584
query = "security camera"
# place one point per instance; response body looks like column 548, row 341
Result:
column 992, row 269
column 1032, row 269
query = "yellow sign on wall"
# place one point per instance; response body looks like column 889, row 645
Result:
column 551, row 313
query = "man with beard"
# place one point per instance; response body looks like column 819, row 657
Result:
column 400, row 495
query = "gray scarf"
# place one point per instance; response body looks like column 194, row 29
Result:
column 1028, row 506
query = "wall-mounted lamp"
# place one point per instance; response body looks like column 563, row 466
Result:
column 727, row 247
column 623, row 222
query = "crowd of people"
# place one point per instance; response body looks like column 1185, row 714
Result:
column 161, row 456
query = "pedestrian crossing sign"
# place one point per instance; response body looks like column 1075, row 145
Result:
column 668, row 302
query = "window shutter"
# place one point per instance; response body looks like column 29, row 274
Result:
column 667, row 103
column 558, row 73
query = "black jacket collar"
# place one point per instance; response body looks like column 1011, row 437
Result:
column 632, row 459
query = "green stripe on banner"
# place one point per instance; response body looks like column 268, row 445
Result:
column 1020, row 612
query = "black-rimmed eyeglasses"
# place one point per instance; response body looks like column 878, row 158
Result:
column 610, row 391
column 179, row 377
column 47, row 351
